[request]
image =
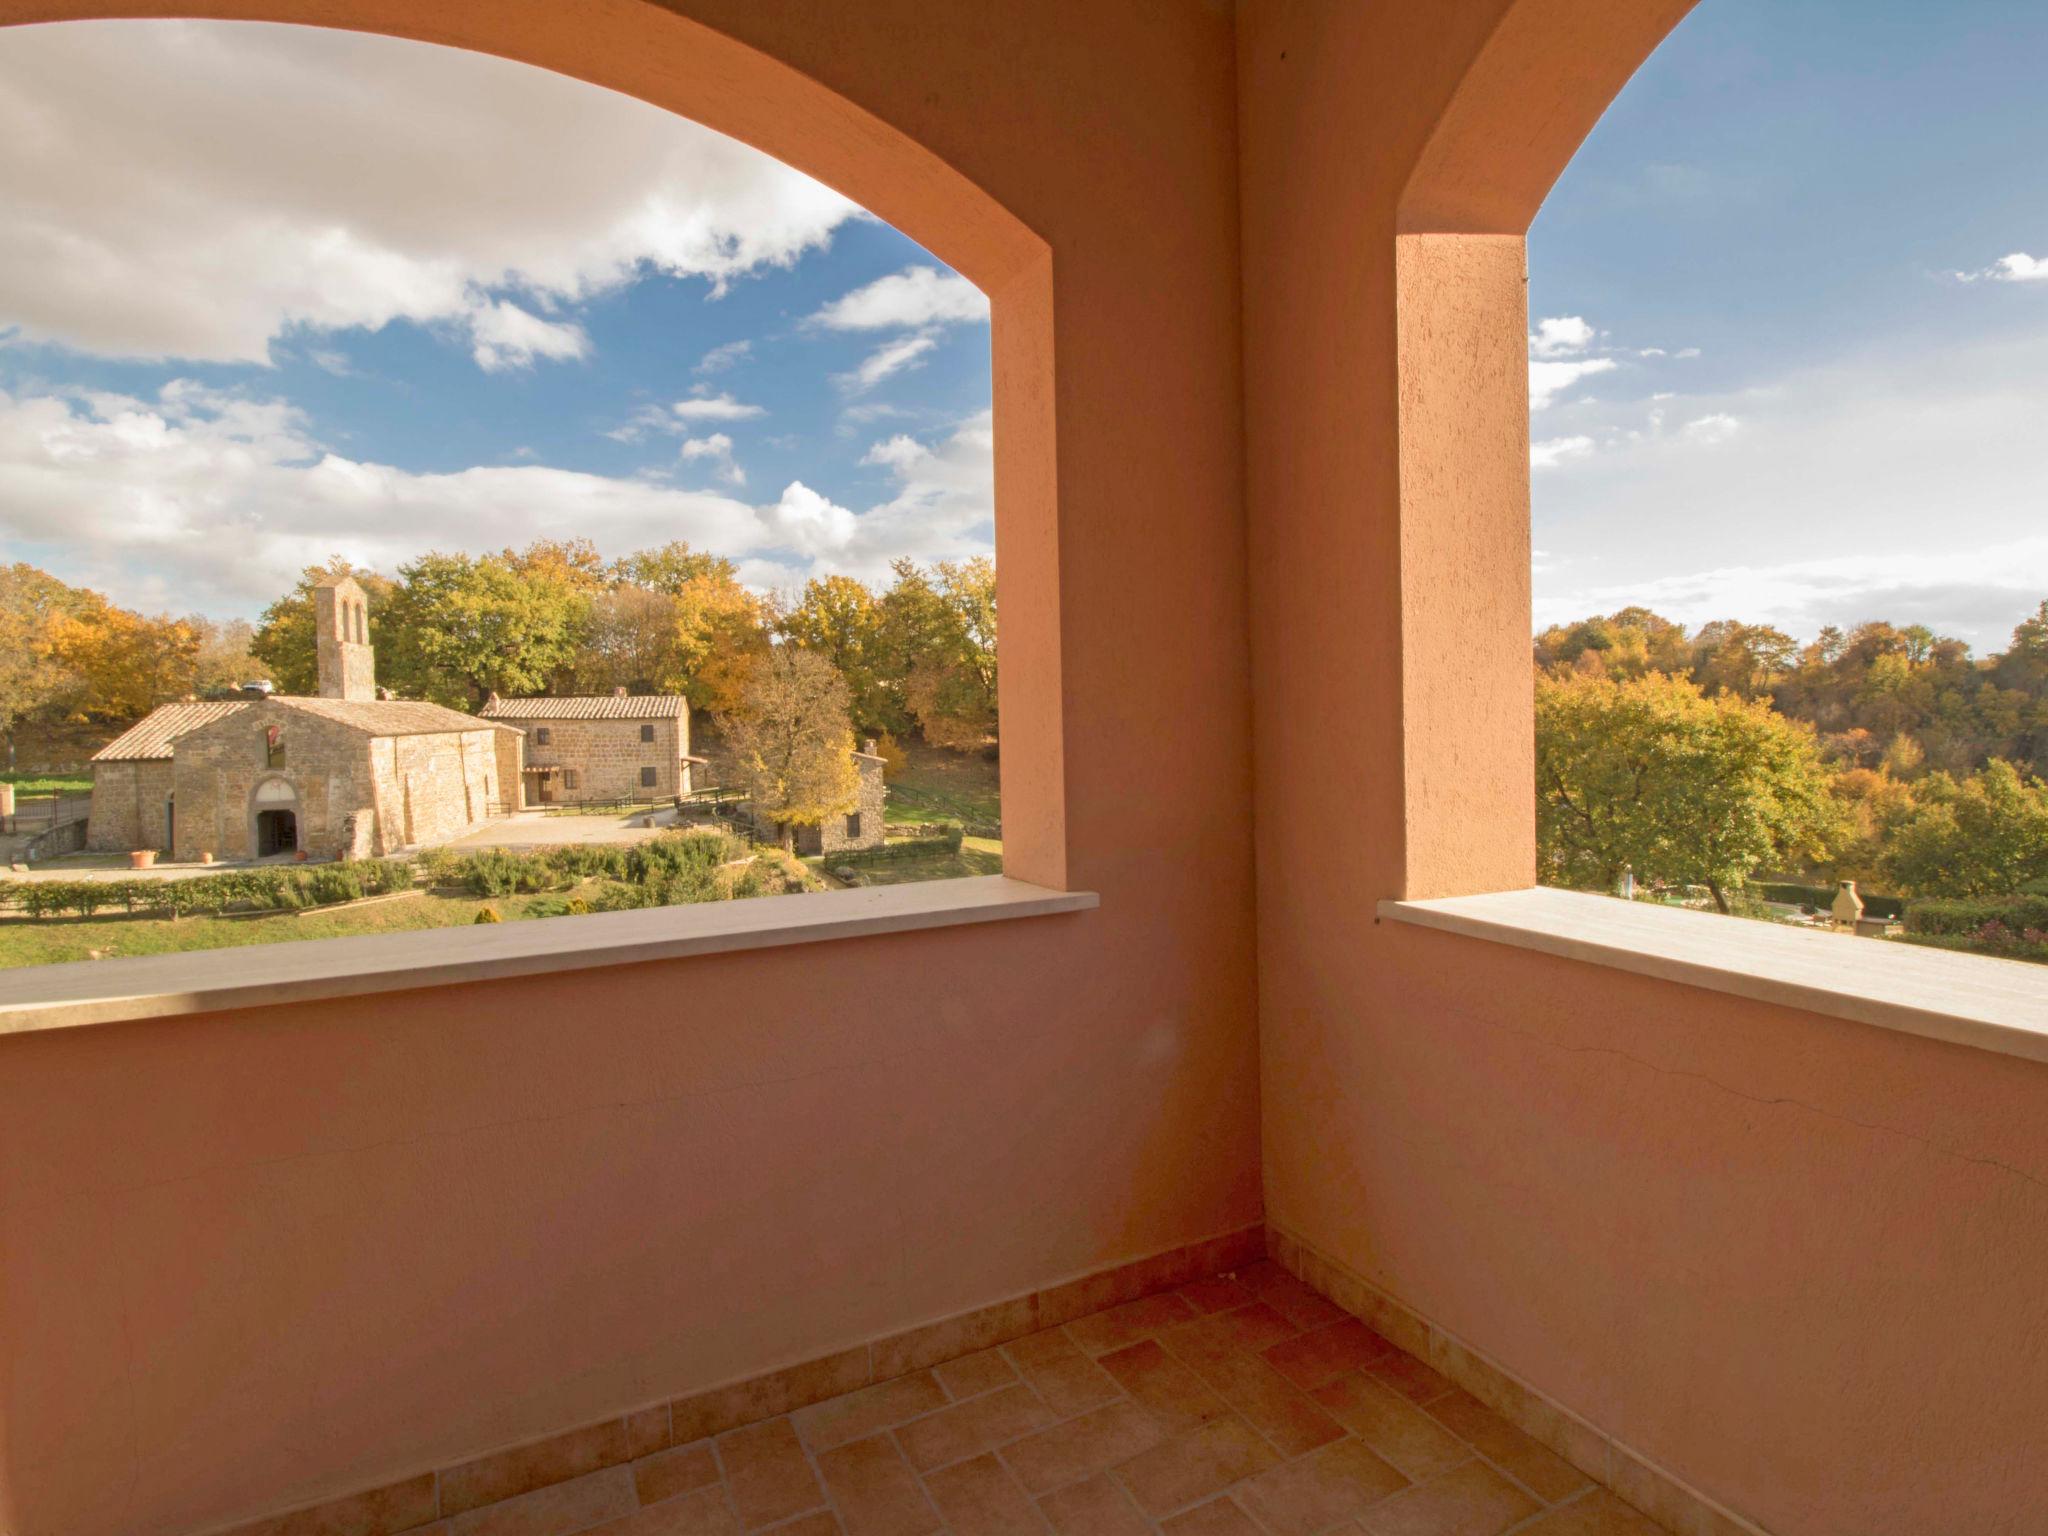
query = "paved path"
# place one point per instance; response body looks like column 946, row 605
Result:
column 531, row 829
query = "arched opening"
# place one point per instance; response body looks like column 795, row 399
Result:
column 751, row 88
column 273, row 819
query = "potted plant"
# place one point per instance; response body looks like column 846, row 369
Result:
column 141, row 858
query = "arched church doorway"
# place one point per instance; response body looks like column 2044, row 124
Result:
column 274, row 819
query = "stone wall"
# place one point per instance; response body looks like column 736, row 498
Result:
column 128, row 805
column 606, row 756
column 432, row 788
column 834, row 836
column 509, row 748
column 218, row 766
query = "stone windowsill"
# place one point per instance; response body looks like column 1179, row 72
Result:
column 206, row 981
column 1993, row 1005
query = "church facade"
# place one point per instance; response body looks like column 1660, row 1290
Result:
column 344, row 774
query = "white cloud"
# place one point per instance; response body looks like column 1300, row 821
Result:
column 1561, row 336
column 1548, row 380
column 914, row 297
column 2019, row 267
column 1901, row 483
column 717, row 449
column 206, row 500
column 505, row 336
column 1714, row 429
column 204, row 190
column 719, row 407
column 1558, row 450
column 720, row 358
column 887, row 360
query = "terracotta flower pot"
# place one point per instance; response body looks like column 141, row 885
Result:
column 142, row 858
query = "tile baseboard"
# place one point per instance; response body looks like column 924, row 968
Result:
column 1668, row 1500
column 419, row 1502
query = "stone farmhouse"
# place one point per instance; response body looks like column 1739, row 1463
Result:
column 859, row 828
column 615, row 746
column 345, row 774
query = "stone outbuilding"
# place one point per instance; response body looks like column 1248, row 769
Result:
column 860, row 828
column 609, row 746
column 341, row 775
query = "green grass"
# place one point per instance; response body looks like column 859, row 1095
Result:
column 938, row 785
column 977, row 856
column 48, row 783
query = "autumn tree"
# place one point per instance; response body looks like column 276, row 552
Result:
column 125, row 664
column 1984, row 836
column 791, row 741
column 721, row 628
column 839, row 619
column 32, row 680
column 1654, row 775
column 940, row 636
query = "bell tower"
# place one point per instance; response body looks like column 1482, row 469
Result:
column 341, row 633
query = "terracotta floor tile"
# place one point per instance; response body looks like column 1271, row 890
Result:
column 1528, row 1461
column 1190, row 1467
column 1218, row 1517
column 969, row 1428
column 1392, row 1427
column 1095, row 1506
column 1091, row 1443
column 860, row 1414
column 1300, row 1305
column 972, row 1375
column 1218, row 1293
column 1323, row 1354
column 1271, row 1405
column 1134, row 1320
column 874, row 1490
column 1408, row 1376
column 1067, row 1379
column 1468, row 1500
column 818, row 1523
column 668, row 1473
column 1599, row 1513
column 497, row 1477
column 555, row 1510
column 1161, row 1385
column 978, row 1497
column 707, row 1512
column 767, row 1397
column 768, row 1473
column 648, row 1431
column 1317, row 1491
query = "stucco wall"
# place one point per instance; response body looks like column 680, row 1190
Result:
column 128, row 805
column 1794, row 1260
column 249, row 1260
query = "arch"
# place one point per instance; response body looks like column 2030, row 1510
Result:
column 273, row 817
column 727, row 76
column 1533, row 91
column 1518, row 111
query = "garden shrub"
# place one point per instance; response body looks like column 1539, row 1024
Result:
column 1962, row 916
column 488, row 915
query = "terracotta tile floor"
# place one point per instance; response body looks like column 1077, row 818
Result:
column 1243, row 1405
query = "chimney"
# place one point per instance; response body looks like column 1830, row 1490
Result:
column 490, row 698
column 869, row 748
column 618, row 693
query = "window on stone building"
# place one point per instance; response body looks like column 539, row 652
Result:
column 568, row 778
column 649, row 777
column 273, row 747
column 853, row 825
column 647, row 733
column 542, row 736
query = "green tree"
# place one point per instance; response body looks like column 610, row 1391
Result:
column 469, row 626
column 839, row 619
column 791, row 741
column 1654, row 775
column 939, row 637
column 1986, row 836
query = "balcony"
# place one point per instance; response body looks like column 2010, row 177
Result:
column 1094, row 1211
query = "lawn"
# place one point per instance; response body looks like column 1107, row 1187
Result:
column 939, row 785
column 977, row 856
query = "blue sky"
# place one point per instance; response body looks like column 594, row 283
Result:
column 272, row 293
column 1816, row 195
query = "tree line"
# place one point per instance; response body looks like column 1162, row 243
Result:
column 552, row 618
column 1883, row 754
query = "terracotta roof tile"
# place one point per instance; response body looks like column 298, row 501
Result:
column 151, row 736
column 590, row 706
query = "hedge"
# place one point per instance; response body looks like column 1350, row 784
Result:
column 1963, row 917
column 248, row 890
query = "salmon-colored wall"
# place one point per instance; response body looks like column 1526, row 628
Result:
column 248, row 1261
column 1793, row 1260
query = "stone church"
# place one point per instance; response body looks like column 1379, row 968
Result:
column 341, row 775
